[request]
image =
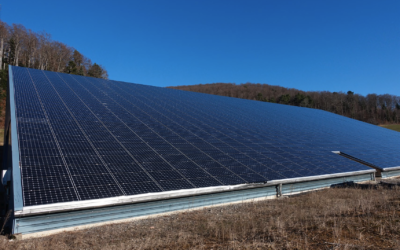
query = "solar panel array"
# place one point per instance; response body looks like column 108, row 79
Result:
column 84, row 138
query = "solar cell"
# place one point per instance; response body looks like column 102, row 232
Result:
column 83, row 138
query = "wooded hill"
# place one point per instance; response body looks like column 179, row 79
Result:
column 20, row 46
column 373, row 108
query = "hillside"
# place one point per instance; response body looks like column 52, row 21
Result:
column 24, row 47
column 372, row 108
column 395, row 127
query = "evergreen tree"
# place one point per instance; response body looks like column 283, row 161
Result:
column 71, row 68
column 78, row 58
column 97, row 71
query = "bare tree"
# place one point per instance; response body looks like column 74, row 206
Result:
column 23, row 47
column 32, row 43
column 44, row 45
column 3, row 36
column 63, row 55
column 17, row 35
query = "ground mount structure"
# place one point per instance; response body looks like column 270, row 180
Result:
column 81, row 150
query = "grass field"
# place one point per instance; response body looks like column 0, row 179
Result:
column 336, row 218
column 395, row 127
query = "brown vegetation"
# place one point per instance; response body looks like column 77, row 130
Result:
column 337, row 218
column 20, row 46
column 373, row 108
column 395, row 127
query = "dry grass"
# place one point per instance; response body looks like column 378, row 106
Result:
column 395, row 127
column 345, row 218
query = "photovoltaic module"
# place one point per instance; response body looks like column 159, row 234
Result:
column 83, row 138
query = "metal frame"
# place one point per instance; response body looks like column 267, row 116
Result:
column 391, row 169
column 381, row 171
column 16, row 171
column 121, row 200
column 76, row 219
column 390, row 173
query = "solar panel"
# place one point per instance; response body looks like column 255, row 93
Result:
column 83, row 138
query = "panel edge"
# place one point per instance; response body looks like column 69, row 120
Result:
column 16, row 171
column 122, row 200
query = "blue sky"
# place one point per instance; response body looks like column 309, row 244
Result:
column 310, row 45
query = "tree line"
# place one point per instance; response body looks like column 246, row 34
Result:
column 372, row 108
column 20, row 46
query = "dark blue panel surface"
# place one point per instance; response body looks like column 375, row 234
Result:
column 86, row 138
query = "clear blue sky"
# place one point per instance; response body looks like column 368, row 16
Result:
column 310, row 45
